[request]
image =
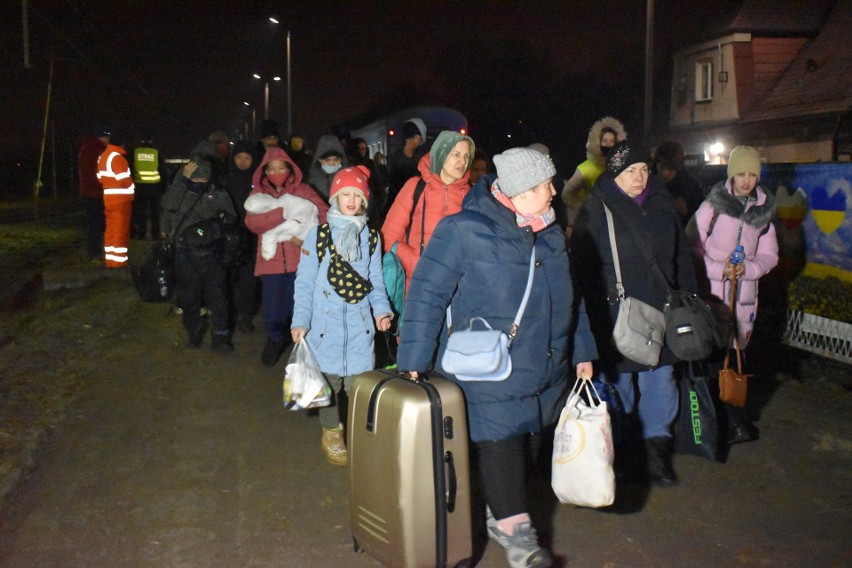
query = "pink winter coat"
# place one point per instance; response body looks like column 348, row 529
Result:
column 722, row 215
column 286, row 258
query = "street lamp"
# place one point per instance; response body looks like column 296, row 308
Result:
column 266, row 93
column 253, row 121
column 289, row 84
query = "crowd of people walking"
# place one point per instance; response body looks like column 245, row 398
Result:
column 312, row 227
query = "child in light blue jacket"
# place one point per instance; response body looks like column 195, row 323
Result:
column 340, row 298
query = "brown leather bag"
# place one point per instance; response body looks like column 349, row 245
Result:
column 733, row 385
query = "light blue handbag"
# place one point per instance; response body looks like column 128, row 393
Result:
column 483, row 354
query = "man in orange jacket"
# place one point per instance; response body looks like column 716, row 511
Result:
column 114, row 175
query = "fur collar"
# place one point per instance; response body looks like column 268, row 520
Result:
column 758, row 215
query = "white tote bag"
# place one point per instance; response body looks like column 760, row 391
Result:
column 583, row 451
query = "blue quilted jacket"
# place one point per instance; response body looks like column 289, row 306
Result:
column 478, row 259
column 342, row 335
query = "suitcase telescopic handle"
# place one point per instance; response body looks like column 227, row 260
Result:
column 452, row 482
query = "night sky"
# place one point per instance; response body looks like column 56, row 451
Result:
column 542, row 71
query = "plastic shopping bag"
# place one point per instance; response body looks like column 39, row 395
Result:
column 582, row 450
column 304, row 384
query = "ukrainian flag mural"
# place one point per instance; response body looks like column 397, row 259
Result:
column 825, row 215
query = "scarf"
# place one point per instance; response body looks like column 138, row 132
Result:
column 535, row 222
column 350, row 228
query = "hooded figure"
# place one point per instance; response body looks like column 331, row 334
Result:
column 325, row 166
column 445, row 172
column 194, row 208
column 604, row 134
column 276, row 176
column 244, row 282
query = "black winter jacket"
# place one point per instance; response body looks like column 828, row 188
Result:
column 658, row 222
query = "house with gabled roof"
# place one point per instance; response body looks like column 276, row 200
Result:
column 776, row 75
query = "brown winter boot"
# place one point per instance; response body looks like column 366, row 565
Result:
column 334, row 446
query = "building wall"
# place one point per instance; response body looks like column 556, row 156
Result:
column 722, row 54
column 816, row 151
column 744, row 70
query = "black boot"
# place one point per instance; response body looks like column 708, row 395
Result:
column 740, row 428
column 196, row 335
column 221, row 342
column 659, row 461
column 272, row 352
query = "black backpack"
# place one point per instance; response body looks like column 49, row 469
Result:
column 154, row 278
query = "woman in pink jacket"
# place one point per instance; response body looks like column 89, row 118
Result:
column 738, row 212
column 278, row 175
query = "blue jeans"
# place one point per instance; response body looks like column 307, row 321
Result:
column 278, row 297
column 657, row 399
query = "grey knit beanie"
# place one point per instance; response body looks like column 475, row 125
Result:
column 521, row 169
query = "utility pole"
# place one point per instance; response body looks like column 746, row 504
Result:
column 26, row 34
column 649, row 73
column 289, row 91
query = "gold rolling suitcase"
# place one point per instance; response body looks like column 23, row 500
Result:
column 409, row 482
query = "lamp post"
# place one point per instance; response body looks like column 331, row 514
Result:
column 266, row 93
column 253, row 121
column 289, row 83
column 289, row 90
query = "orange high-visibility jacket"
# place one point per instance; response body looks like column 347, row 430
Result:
column 114, row 175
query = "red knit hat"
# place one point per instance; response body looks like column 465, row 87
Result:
column 355, row 178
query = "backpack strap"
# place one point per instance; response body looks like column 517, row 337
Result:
column 374, row 240
column 418, row 191
column 713, row 222
column 324, row 242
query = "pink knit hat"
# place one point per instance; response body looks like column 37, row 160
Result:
column 355, row 178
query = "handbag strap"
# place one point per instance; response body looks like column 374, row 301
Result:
column 644, row 249
column 619, row 286
column 520, row 314
column 732, row 329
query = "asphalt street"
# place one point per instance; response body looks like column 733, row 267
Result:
column 172, row 457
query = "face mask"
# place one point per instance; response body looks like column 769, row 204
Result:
column 277, row 179
column 330, row 169
column 198, row 187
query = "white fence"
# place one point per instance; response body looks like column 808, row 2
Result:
column 823, row 336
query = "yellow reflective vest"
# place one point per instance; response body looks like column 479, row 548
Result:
column 146, row 165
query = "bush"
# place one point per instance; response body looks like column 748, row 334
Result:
column 828, row 297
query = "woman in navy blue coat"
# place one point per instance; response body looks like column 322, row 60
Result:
column 478, row 261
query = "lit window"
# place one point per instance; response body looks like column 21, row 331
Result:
column 703, row 81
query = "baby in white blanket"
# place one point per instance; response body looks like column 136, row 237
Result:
column 300, row 216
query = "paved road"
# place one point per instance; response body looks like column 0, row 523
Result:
column 171, row 457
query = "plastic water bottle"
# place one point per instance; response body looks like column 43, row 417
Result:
column 738, row 255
